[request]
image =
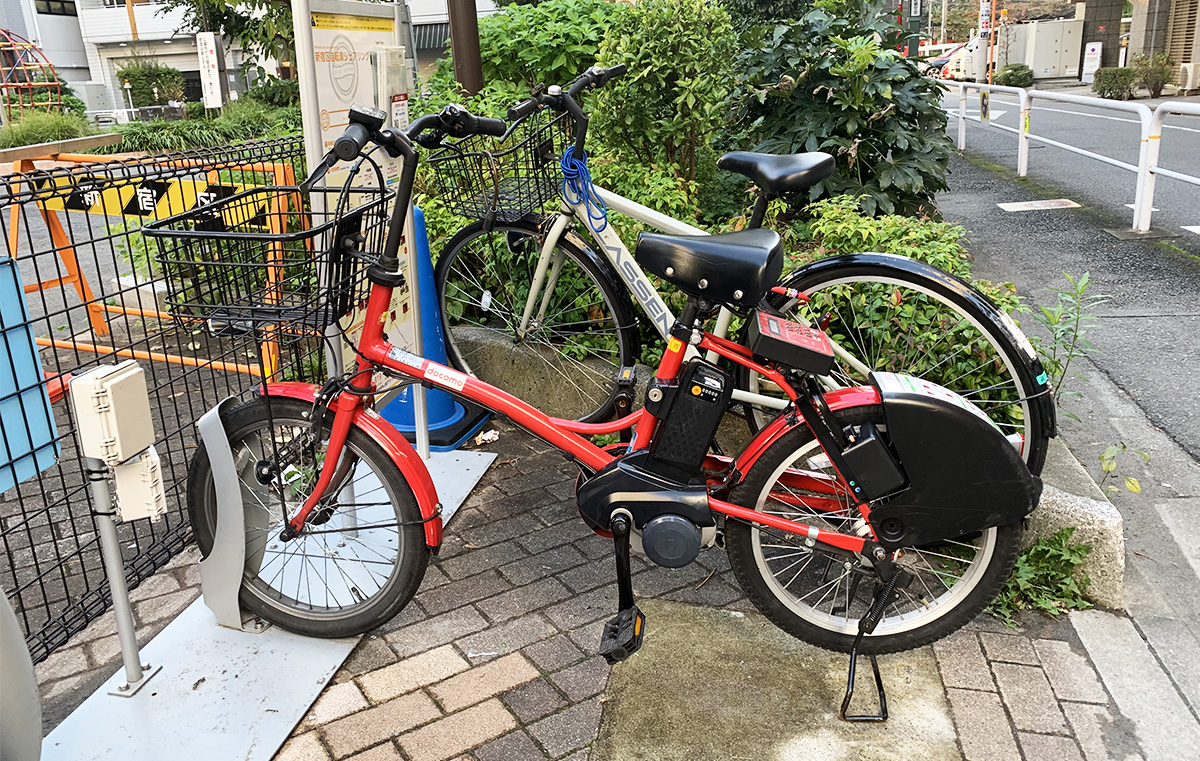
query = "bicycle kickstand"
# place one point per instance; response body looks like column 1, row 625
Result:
column 883, row 598
column 623, row 635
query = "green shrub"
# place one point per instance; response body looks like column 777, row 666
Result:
column 548, row 43
column 276, row 92
column 241, row 121
column 144, row 75
column 68, row 101
column 1044, row 579
column 679, row 55
column 1015, row 75
column 835, row 81
column 751, row 12
column 1115, row 83
column 42, row 127
column 1153, row 72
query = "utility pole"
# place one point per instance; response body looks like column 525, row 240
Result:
column 914, row 28
column 942, row 33
column 464, row 44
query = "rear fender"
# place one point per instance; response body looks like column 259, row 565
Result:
column 841, row 399
column 397, row 447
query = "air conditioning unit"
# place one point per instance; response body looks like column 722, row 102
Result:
column 1189, row 77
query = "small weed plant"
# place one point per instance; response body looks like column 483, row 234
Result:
column 1108, row 465
column 1069, row 322
column 1045, row 579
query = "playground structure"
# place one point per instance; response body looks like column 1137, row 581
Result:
column 28, row 80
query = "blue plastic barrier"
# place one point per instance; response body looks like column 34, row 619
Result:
column 450, row 421
column 28, row 437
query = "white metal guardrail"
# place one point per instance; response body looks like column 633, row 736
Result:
column 1151, row 123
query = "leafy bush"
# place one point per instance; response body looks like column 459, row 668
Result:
column 548, row 43
column 1154, row 71
column 242, row 121
column 1044, row 579
column 1015, row 75
column 42, row 127
column 1115, row 83
column 751, row 12
column 679, row 55
column 144, row 75
column 276, row 92
column 835, row 81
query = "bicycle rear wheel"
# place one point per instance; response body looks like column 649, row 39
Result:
column 362, row 553
column 569, row 357
column 894, row 314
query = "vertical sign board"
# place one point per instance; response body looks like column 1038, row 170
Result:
column 1091, row 60
column 208, row 49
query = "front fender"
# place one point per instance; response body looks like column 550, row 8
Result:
column 397, row 447
column 842, row 398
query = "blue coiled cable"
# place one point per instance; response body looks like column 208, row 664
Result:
column 577, row 182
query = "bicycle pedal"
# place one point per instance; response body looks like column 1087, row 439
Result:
column 623, row 635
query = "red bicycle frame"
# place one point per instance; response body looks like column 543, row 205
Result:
column 567, row 435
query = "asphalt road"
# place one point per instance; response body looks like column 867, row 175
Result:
column 1086, row 180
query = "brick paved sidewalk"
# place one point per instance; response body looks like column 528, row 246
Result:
column 494, row 658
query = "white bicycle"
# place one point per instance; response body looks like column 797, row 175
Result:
column 529, row 306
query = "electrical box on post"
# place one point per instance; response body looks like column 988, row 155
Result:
column 112, row 412
column 140, row 488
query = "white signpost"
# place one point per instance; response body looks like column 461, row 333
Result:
column 1091, row 61
column 212, row 66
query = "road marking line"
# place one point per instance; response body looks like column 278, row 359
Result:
column 1098, row 116
column 1053, row 203
column 1130, row 206
column 1192, row 228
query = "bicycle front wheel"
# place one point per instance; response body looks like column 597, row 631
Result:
column 893, row 314
column 580, row 332
column 362, row 553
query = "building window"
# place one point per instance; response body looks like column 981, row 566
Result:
column 56, row 7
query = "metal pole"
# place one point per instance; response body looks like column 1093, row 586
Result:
column 306, row 72
column 962, row 117
column 992, row 42
column 1143, row 202
column 464, row 44
column 114, row 568
column 942, row 33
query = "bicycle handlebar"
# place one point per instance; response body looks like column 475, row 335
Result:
column 555, row 97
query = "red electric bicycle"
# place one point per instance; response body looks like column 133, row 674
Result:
column 870, row 519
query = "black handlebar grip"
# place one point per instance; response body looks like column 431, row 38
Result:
column 352, row 142
column 522, row 109
column 615, row 71
column 487, row 126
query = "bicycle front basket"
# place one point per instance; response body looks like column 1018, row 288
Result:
column 511, row 176
column 273, row 254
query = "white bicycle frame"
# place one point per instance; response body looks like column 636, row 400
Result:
column 610, row 244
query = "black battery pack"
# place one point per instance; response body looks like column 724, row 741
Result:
column 875, row 470
column 781, row 340
column 689, row 420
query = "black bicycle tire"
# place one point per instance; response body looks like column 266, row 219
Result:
column 202, row 512
column 1041, row 422
column 739, row 548
column 612, row 288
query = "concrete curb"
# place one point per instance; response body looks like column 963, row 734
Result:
column 1072, row 499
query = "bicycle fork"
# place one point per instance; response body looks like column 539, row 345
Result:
column 345, row 409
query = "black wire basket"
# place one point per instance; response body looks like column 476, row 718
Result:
column 274, row 255
column 504, row 178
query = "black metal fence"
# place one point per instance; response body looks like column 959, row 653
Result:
column 94, row 293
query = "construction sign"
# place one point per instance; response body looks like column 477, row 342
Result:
column 148, row 199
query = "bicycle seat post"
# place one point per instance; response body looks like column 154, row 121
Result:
column 760, row 209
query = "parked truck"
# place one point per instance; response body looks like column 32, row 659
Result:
column 1051, row 48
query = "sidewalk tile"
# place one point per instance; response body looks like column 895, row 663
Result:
column 1071, row 675
column 336, row 701
column 1097, row 730
column 384, row 752
column 594, row 573
column 1008, row 648
column 411, row 673
column 982, row 726
column 501, row 639
column 519, row 503
column 553, row 653
column 371, row 654
column 450, row 736
column 476, row 561
column 371, row 727
column 961, row 661
column 459, row 593
column 305, row 747
column 522, row 526
column 1048, row 748
column 567, row 730
column 715, row 593
column 483, row 682
column 541, row 565
column 435, row 631
column 659, row 580
column 515, row 746
column 522, row 600
column 584, row 680
column 534, row 700
column 567, row 531
column 164, row 606
column 526, row 482
column 584, row 609
column 62, row 663
column 1029, row 699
